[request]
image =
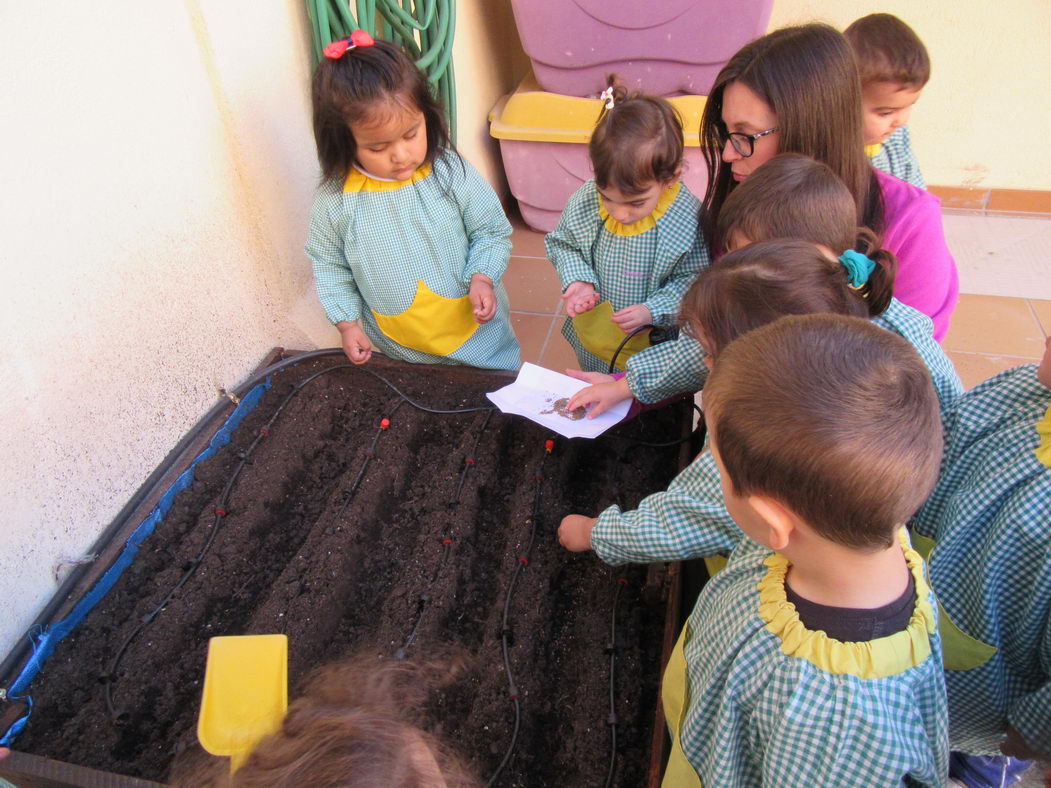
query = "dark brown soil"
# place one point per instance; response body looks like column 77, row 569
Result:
column 293, row 556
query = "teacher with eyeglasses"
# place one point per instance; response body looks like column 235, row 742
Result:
column 797, row 90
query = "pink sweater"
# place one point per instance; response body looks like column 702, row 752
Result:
column 927, row 278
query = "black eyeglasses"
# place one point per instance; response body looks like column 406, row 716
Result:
column 743, row 143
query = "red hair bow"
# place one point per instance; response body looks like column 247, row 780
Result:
column 359, row 38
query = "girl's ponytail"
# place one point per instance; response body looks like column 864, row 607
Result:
column 879, row 288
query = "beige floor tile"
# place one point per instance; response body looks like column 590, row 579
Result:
column 532, row 332
column 532, row 286
column 973, row 368
column 525, row 241
column 1001, row 255
column 1043, row 314
column 995, row 325
column 559, row 355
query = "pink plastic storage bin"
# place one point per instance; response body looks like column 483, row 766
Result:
column 657, row 46
column 543, row 141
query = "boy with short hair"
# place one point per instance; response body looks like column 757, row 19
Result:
column 813, row 658
column 894, row 68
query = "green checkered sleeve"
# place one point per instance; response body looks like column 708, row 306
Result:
column 667, row 370
column 896, row 158
column 488, row 231
column 688, row 520
column 336, row 287
column 664, row 303
column 569, row 246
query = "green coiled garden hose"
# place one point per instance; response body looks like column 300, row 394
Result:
column 425, row 28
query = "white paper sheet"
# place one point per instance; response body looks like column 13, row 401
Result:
column 536, row 391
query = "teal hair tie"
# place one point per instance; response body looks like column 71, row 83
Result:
column 859, row 267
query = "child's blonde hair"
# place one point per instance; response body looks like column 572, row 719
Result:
column 831, row 416
column 357, row 723
column 637, row 142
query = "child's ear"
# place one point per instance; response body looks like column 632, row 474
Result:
column 780, row 521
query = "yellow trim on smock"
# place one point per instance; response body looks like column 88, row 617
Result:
column 601, row 336
column 679, row 773
column 873, row 149
column 1043, row 428
column 871, row 659
column 432, row 323
column 644, row 224
column 357, row 181
column 960, row 651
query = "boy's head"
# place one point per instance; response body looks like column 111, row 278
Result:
column 829, row 417
column 791, row 196
column 893, row 66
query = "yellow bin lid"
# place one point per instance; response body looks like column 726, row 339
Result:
column 531, row 114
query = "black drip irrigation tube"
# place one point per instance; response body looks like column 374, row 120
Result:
column 447, row 541
column 505, row 631
column 221, row 509
column 611, row 649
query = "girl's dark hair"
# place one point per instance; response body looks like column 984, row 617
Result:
column 367, row 79
column 807, row 75
column 764, row 281
column 636, row 143
column 794, row 196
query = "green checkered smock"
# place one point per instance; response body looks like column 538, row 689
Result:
column 990, row 519
column 895, row 157
column 689, row 519
column 654, row 268
column 370, row 248
column 673, row 368
column 763, row 708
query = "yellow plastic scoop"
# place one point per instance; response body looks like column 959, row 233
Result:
column 245, row 694
column 601, row 336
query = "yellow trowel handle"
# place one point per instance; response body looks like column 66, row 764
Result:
column 245, row 694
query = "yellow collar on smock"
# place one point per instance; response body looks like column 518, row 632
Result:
column 872, row 659
column 873, row 149
column 1043, row 428
column 357, row 181
column 646, row 222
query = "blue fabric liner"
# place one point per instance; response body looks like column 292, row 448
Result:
column 44, row 643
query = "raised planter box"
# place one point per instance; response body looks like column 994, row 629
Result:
column 338, row 549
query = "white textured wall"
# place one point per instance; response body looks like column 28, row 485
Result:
column 157, row 168
column 981, row 119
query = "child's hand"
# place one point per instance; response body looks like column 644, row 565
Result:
column 483, row 299
column 631, row 317
column 580, row 297
column 600, row 397
column 574, row 533
column 356, row 343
